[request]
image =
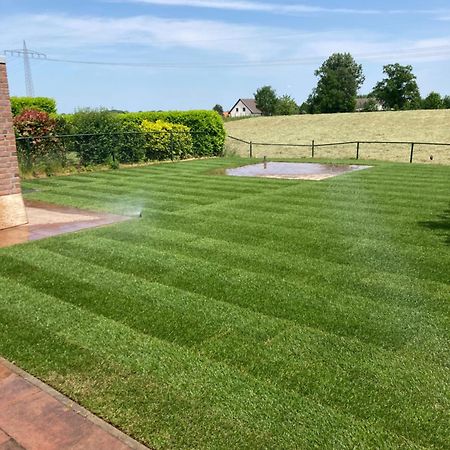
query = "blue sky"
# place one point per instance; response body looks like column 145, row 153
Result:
column 192, row 54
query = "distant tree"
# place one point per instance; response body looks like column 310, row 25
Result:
column 286, row 106
column 219, row 109
column 446, row 102
column 304, row 108
column 399, row 89
column 433, row 101
column 340, row 77
column 312, row 104
column 266, row 100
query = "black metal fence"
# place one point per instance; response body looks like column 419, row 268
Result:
column 100, row 148
column 313, row 149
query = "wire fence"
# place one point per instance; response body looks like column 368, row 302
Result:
column 48, row 153
column 359, row 149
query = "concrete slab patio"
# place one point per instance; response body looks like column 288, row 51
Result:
column 45, row 220
column 294, row 170
column 33, row 416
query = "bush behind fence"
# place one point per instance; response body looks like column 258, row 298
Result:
column 50, row 153
column 99, row 136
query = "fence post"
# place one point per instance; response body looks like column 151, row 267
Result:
column 411, row 156
column 29, row 158
column 172, row 149
column 312, row 148
column 357, row 150
column 251, row 149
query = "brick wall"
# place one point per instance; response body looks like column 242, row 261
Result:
column 9, row 171
column 12, row 210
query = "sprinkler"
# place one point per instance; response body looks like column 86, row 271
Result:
column 140, row 214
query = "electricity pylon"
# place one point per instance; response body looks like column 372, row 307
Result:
column 27, row 54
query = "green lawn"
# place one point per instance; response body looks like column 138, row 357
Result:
column 244, row 313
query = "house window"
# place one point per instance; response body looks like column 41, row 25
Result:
column 237, row 109
column 243, row 109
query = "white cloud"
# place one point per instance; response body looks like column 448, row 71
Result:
column 62, row 33
column 279, row 8
column 253, row 6
column 213, row 42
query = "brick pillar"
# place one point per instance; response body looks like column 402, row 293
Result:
column 12, row 209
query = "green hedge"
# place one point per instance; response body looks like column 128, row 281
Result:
column 164, row 140
column 19, row 104
column 101, row 134
column 208, row 132
column 118, row 137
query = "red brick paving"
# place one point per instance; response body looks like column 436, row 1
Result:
column 35, row 417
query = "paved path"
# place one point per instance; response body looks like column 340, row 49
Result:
column 46, row 220
column 34, row 416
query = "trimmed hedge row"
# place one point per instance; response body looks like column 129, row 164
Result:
column 207, row 130
column 164, row 140
column 102, row 136
column 20, row 104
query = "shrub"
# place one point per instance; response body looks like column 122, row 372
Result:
column 100, row 138
column 433, row 101
column 41, row 147
column 20, row 104
column 207, row 129
column 131, row 147
column 164, row 140
column 371, row 105
column 286, row 106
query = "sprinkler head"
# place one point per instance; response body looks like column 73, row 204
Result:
column 140, row 215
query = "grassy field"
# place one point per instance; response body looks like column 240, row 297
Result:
column 409, row 126
column 244, row 313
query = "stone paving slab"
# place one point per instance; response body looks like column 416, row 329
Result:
column 33, row 416
column 46, row 220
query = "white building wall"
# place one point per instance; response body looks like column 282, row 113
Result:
column 240, row 110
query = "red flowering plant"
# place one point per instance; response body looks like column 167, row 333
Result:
column 36, row 141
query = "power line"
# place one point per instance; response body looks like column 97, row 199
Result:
column 411, row 53
column 437, row 51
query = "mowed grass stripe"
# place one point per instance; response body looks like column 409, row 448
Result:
column 114, row 289
column 233, row 396
column 372, row 253
column 394, row 289
column 156, row 190
column 150, row 307
column 142, row 182
column 315, row 219
column 340, row 195
column 119, row 203
column 303, row 304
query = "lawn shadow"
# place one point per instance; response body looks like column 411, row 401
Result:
column 441, row 223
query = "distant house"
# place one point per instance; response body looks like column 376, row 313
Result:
column 245, row 107
column 365, row 103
